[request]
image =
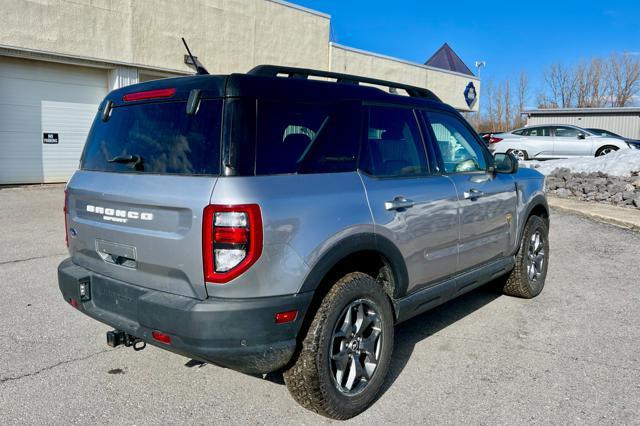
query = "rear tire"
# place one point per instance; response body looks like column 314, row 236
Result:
column 607, row 149
column 520, row 154
column 527, row 278
column 333, row 352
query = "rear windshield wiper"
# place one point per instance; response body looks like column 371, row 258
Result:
column 126, row 159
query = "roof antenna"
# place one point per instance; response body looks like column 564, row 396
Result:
column 200, row 70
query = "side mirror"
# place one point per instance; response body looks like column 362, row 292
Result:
column 581, row 136
column 505, row 163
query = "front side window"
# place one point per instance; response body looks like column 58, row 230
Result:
column 393, row 146
column 459, row 149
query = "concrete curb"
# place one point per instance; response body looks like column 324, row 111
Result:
column 619, row 216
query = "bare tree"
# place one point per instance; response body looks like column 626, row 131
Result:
column 498, row 102
column 596, row 75
column 491, row 114
column 508, row 104
column 561, row 83
column 624, row 78
column 523, row 94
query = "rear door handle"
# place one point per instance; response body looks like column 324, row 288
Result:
column 472, row 194
column 398, row 203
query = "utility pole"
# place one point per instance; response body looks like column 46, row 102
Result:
column 479, row 65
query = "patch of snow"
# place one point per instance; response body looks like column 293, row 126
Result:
column 624, row 162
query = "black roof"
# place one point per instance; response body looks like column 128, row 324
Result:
column 267, row 81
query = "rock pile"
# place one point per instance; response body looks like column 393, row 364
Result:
column 595, row 186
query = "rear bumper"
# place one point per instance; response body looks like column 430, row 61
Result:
column 240, row 334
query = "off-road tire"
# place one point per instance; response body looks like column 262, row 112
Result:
column 310, row 380
column 517, row 282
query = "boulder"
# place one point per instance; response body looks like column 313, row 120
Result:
column 628, row 195
column 565, row 193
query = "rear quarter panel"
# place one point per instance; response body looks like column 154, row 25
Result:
column 304, row 216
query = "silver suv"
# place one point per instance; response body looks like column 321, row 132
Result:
column 271, row 221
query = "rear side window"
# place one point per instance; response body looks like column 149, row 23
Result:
column 157, row 138
column 306, row 138
column 537, row 131
column 393, row 147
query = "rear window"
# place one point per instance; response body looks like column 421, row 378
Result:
column 157, row 138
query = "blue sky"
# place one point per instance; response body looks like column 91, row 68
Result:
column 509, row 36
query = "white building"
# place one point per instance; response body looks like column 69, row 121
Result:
column 622, row 121
column 58, row 59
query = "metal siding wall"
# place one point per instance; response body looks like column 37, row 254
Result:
column 37, row 97
column 627, row 125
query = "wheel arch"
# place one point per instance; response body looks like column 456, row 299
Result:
column 372, row 254
column 537, row 206
column 365, row 252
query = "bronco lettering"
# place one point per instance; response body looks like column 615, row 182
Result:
column 117, row 215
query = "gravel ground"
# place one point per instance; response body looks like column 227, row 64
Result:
column 570, row 356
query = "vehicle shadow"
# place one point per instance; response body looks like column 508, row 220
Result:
column 414, row 330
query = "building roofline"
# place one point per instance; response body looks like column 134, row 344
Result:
column 402, row 61
column 556, row 111
column 63, row 58
column 301, row 8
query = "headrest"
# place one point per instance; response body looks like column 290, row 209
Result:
column 297, row 139
column 392, row 134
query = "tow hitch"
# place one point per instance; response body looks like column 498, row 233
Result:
column 116, row 338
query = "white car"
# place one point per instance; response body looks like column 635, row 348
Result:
column 554, row 141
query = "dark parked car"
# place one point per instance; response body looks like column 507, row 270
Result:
column 607, row 133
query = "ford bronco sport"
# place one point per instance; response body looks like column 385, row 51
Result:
column 286, row 219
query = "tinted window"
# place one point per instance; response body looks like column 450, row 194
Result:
column 161, row 136
column 335, row 147
column 459, row 149
column 519, row 132
column 567, row 132
column 305, row 138
column 393, row 146
column 538, row 131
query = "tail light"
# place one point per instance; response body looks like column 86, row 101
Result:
column 66, row 212
column 231, row 240
column 494, row 140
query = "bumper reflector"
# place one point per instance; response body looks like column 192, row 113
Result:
column 285, row 317
column 161, row 337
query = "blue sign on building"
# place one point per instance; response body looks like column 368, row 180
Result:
column 470, row 95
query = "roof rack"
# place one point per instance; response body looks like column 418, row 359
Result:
column 304, row 73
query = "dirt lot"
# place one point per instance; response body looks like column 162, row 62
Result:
column 572, row 355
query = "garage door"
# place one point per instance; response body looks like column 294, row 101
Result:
column 46, row 110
